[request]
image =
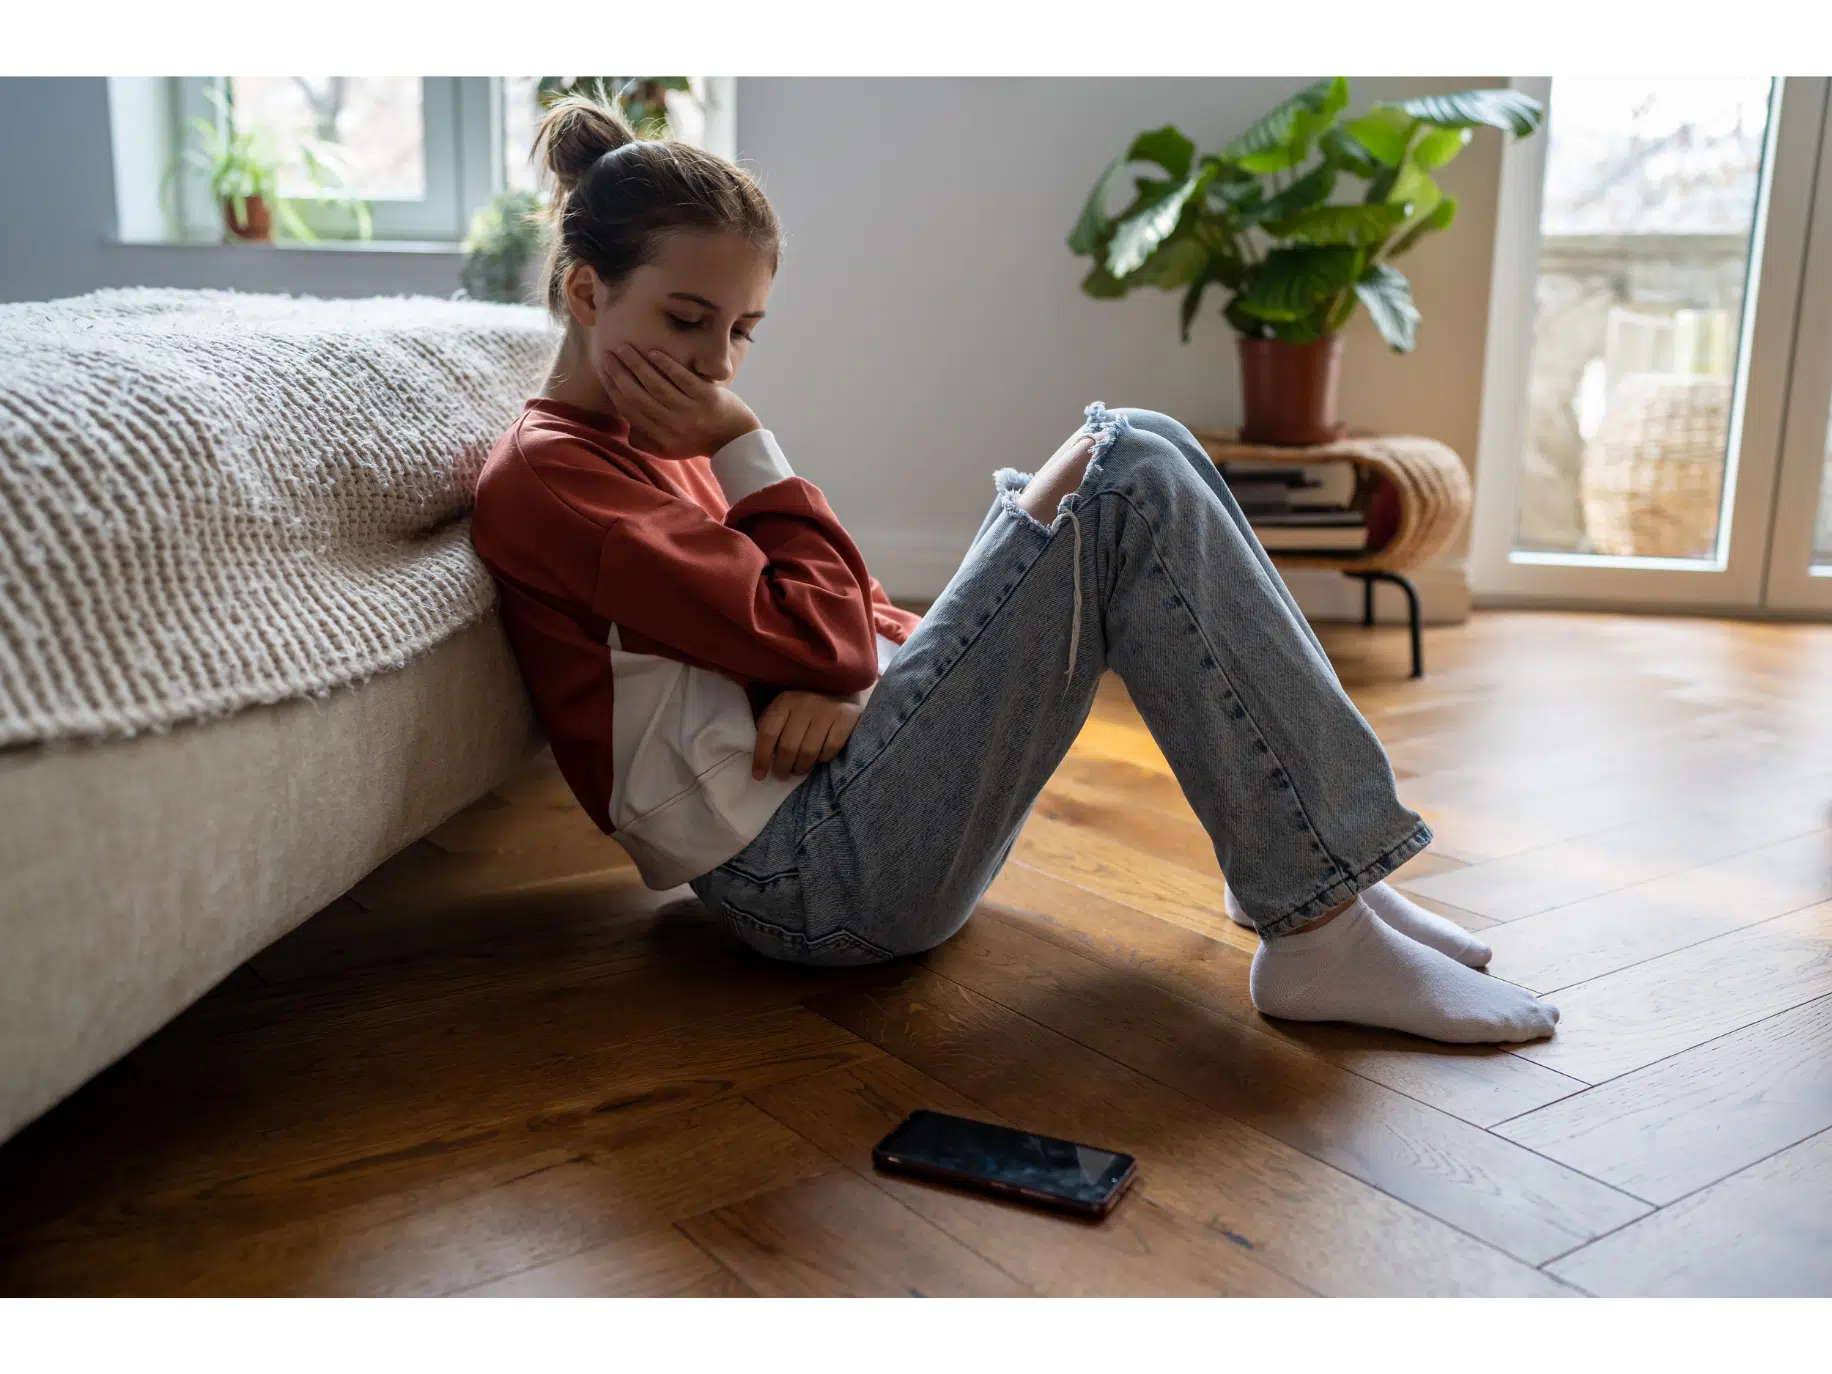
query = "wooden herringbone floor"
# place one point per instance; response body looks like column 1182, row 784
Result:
column 500, row 1065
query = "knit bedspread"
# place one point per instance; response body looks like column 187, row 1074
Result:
column 211, row 500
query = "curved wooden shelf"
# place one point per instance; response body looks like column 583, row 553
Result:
column 1422, row 481
column 1430, row 484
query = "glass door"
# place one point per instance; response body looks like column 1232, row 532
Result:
column 1642, row 415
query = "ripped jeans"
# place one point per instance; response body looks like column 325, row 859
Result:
column 1150, row 569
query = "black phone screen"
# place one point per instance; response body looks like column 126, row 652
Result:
column 1039, row 1167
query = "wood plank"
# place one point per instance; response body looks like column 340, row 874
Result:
column 1480, row 1084
column 1588, row 939
column 661, row 1263
column 1675, row 1126
column 1192, row 1159
column 1169, row 891
column 1141, row 1249
column 1469, row 920
column 462, row 1229
column 838, row 1237
column 1601, row 862
column 1622, row 1021
column 258, row 1148
column 1517, row 1201
column 1765, row 1232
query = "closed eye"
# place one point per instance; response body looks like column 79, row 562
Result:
column 688, row 326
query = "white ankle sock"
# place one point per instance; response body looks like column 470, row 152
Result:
column 1408, row 918
column 1358, row 968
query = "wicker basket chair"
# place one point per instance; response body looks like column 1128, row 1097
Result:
column 1653, row 475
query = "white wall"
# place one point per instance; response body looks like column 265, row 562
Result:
column 927, row 326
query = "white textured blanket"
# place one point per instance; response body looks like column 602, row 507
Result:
column 210, row 500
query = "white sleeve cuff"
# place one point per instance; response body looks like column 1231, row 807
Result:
column 749, row 463
column 888, row 649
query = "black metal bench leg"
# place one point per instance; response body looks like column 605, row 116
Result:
column 1414, row 621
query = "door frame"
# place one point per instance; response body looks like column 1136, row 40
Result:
column 1792, row 585
column 1499, row 576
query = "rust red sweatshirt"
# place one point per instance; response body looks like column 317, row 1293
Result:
column 655, row 605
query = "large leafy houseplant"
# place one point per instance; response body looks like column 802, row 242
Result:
column 1300, row 219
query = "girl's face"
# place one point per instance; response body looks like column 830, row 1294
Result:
column 699, row 302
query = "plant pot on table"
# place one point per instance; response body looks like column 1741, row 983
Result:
column 255, row 225
column 1289, row 391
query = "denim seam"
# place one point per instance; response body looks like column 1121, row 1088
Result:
column 731, row 867
column 1326, row 897
column 800, row 941
column 1209, row 649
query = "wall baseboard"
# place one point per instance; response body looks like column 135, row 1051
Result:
column 914, row 566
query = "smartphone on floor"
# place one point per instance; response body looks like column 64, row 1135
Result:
column 1039, row 1169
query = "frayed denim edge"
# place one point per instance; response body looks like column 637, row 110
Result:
column 1105, row 425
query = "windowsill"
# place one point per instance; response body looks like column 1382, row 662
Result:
column 383, row 247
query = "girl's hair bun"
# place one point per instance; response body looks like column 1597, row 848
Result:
column 574, row 133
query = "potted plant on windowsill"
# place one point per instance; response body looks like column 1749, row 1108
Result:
column 504, row 236
column 243, row 167
column 1296, row 257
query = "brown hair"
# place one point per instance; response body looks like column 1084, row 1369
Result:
column 615, row 195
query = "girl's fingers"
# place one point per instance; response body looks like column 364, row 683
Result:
column 647, row 375
column 813, row 745
column 683, row 377
column 769, row 726
column 624, row 385
column 788, row 743
column 625, row 375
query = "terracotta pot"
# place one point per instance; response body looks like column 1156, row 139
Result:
column 259, row 227
column 1289, row 391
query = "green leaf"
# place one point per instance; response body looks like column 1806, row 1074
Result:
column 1291, row 282
column 1348, row 153
column 1103, row 285
column 1225, row 171
column 1167, row 147
column 1384, row 131
column 1216, row 234
column 1439, row 147
column 294, row 225
column 1177, row 261
column 1243, row 323
column 1313, row 188
column 1341, row 224
column 1246, row 197
column 1415, row 188
column 1388, row 297
column 1496, row 108
column 1282, row 137
column 1440, row 218
column 1139, row 235
column 1093, row 225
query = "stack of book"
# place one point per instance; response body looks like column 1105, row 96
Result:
column 1300, row 507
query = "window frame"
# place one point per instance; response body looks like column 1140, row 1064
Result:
column 464, row 162
column 455, row 113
